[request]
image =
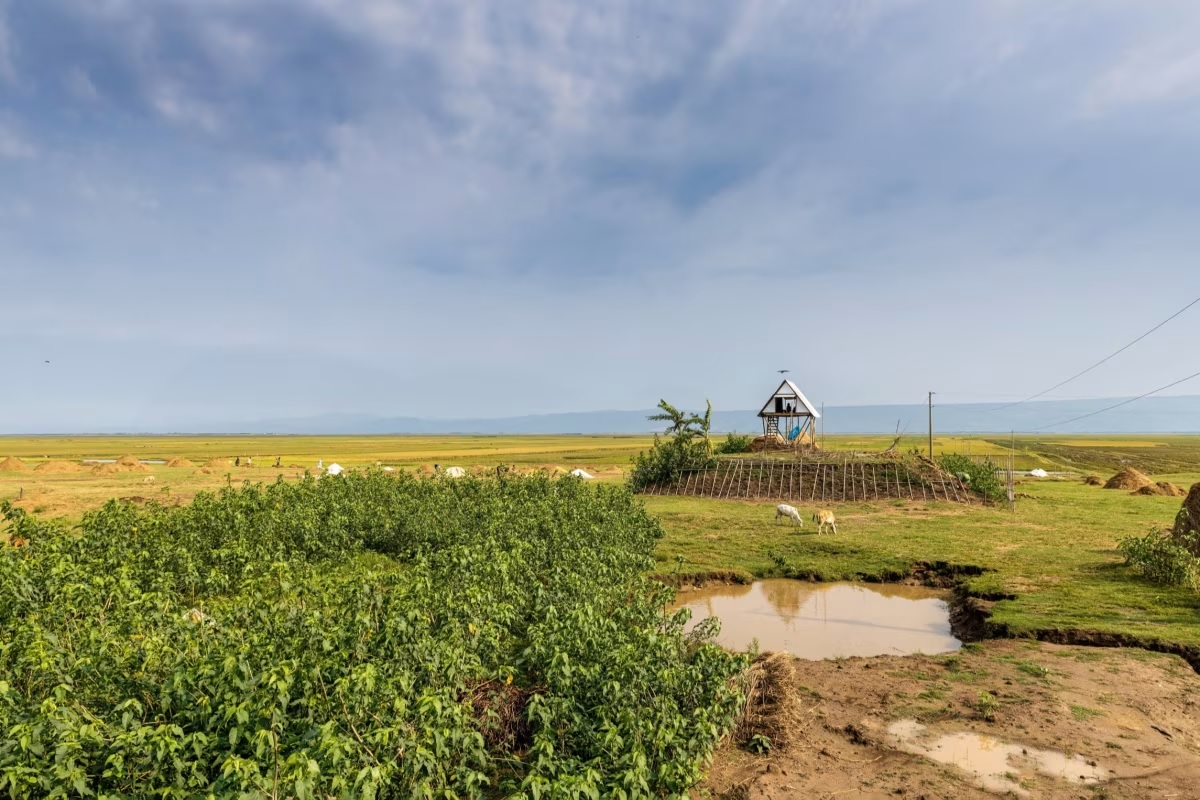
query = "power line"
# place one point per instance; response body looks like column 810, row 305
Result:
column 1101, row 361
column 1118, row 405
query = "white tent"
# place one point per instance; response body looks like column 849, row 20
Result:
column 1039, row 473
column 334, row 469
column 454, row 472
column 579, row 473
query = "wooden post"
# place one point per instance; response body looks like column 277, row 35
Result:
column 931, row 426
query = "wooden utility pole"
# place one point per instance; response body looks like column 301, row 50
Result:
column 822, row 424
column 931, row 426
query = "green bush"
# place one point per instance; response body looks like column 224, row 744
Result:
column 981, row 476
column 358, row 636
column 666, row 461
column 735, row 443
column 1164, row 557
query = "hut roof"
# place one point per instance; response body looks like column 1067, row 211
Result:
column 789, row 390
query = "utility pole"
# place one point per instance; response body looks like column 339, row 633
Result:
column 931, row 426
column 822, row 424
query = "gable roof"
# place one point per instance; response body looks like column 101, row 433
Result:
column 789, row 389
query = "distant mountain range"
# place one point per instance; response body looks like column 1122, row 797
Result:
column 1151, row 415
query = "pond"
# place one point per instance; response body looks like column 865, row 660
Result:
column 825, row 620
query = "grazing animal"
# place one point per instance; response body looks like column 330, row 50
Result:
column 784, row 510
column 823, row 518
column 148, row 479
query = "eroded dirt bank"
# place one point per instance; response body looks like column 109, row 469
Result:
column 1132, row 714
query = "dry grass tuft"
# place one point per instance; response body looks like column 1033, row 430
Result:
column 773, row 705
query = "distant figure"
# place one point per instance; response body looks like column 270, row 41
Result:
column 237, row 462
column 437, row 467
column 278, row 459
column 320, row 464
column 249, row 461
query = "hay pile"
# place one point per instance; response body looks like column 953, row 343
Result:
column 106, row 469
column 128, row 461
column 1162, row 489
column 1092, row 480
column 1128, row 479
column 1187, row 524
column 773, row 705
column 58, row 467
column 772, row 442
column 218, row 463
column 204, row 471
column 11, row 464
column 179, row 462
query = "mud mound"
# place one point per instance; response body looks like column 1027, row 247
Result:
column 11, row 464
column 179, row 462
column 1092, row 480
column 58, row 467
column 1128, row 479
column 128, row 461
column 1162, row 489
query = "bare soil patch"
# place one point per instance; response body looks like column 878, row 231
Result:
column 1134, row 714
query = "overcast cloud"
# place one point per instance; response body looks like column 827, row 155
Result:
column 235, row 209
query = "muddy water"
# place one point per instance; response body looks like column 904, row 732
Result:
column 996, row 766
column 826, row 620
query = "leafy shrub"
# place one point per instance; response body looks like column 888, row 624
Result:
column 981, row 475
column 1164, row 557
column 735, row 443
column 359, row 636
column 666, row 461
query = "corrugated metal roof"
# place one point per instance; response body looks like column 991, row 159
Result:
column 789, row 389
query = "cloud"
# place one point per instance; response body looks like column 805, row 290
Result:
column 8, row 71
column 14, row 146
column 1158, row 74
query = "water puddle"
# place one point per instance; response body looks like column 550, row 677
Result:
column 995, row 765
column 826, row 620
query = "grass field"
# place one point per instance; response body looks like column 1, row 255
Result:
column 1054, row 557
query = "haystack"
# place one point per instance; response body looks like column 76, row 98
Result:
column 106, row 469
column 1092, row 480
column 179, row 462
column 128, row 461
column 58, row 467
column 772, row 442
column 203, row 471
column 772, row 705
column 218, row 463
column 11, row 464
column 1128, row 479
column 1162, row 489
column 1187, row 524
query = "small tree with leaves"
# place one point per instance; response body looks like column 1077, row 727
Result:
column 687, row 446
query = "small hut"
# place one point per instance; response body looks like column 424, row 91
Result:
column 789, row 416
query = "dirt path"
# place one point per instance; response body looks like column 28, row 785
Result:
column 1131, row 716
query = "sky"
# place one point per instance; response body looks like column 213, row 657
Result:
column 241, row 209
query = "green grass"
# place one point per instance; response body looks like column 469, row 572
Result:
column 1055, row 556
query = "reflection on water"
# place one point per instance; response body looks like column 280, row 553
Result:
column 996, row 766
column 826, row 620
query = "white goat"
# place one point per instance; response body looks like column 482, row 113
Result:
column 823, row 518
column 148, row 479
column 784, row 510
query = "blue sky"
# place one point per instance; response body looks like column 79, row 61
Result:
column 235, row 209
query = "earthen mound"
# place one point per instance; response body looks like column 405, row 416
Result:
column 179, row 462
column 11, row 464
column 1128, row 479
column 218, row 463
column 58, row 467
column 128, row 461
column 106, row 469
